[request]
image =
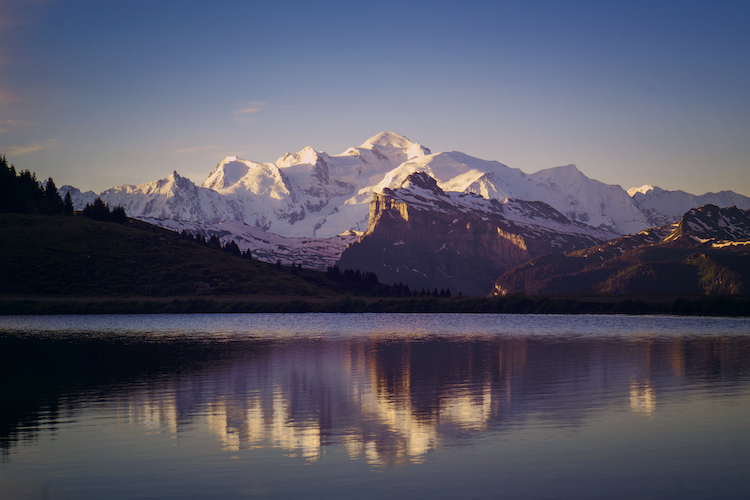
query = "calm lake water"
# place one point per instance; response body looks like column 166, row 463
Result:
column 374, row 406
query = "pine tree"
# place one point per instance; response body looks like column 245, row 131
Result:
column 118, row 215
column 100, row 211
column 233, row 248
column 52, row 202
column 68, row 204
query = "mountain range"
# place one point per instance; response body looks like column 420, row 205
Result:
column 313, row 194
column 306, row 207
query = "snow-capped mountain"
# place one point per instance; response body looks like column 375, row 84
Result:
column 424, row 237
column 80, row 198
column 174, row 197
column 313, row 194
column 665, row 207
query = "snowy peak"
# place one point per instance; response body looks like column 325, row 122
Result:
column 665, row 207
column 173, row 197
column 306, row 156
column 235, row 176
column 566, row 173
column 388, row 140
column 645, row 189
column 80, row 199
column 389, row 143
column 167, row 186
column 229, row 171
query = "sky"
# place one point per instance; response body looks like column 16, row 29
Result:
column 102, row 93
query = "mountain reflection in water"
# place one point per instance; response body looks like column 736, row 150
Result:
column 387, row 397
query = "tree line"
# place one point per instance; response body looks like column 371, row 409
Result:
column 213, row 241
column 101, row 211
column 22, row 193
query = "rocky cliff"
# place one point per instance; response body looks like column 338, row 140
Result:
column 423, row 237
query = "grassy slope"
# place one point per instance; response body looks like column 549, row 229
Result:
column 79, row 257
column 659, row 269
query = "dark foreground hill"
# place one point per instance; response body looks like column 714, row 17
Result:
column 706, row 253
column 74, row 256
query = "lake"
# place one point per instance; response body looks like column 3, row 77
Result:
column 374, row 406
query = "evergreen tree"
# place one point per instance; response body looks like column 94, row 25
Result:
column 214, row 241
column 100, row 211
column 21, row 192
column 7, row 185
column 371, row 278
column 334, row 273
column 233, row 248
column 118, row 215
column 97, row 210
column 52, row 202
column 68, row 204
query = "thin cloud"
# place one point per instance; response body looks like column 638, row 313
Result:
column 196, row 149
column 10, row 125
column 22, row 150
column 250, row 107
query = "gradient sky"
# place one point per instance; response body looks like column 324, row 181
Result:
column 109, row 92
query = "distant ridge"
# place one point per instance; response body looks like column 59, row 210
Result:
column 706, row 252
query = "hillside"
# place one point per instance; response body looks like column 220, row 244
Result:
column 706, row 253
column 79, row 257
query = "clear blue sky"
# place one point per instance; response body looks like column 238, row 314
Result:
column 108, row 92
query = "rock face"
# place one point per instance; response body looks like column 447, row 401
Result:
column 423, row 237
column 706, row 252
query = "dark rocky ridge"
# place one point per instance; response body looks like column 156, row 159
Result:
column 423, row 237
column 706, row 252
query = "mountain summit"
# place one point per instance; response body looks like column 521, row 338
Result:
column 392, row 142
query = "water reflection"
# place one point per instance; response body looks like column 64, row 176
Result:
column 388, row 399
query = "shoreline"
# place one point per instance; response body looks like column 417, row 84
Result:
column 737, row 306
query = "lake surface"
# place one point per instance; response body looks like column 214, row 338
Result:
column 374, row 406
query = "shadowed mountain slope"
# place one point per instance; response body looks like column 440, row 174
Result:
column 424, row 237
column 706, row 252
